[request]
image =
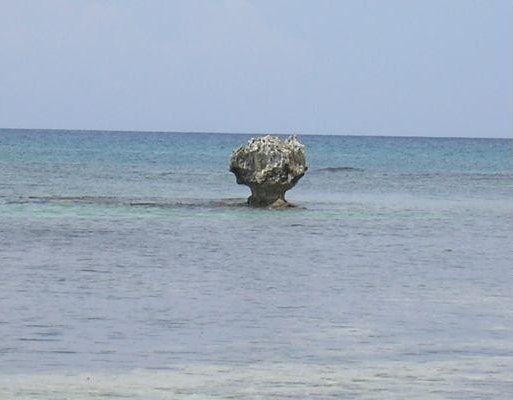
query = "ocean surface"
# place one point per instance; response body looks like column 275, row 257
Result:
column 131, row 268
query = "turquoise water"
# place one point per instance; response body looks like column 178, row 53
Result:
column 130, row 267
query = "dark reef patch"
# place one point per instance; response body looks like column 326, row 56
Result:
column 339, row 169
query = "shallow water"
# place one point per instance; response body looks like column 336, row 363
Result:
column 130, row 268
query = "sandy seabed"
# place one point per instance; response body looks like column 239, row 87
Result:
column 460, row 379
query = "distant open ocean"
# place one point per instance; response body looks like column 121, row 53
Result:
column 130, row 268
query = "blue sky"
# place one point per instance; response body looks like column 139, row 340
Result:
column 395, row 67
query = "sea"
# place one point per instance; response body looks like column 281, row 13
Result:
column 132, row 268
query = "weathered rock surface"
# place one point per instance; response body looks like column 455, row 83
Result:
column 269, row 166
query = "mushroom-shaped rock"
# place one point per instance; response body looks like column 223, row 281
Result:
column 269, row 166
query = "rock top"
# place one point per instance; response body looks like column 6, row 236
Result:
column 269, row 166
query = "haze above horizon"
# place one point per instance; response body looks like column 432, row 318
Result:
column 398, row 68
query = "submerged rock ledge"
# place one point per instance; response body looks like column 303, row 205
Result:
column 269, row 166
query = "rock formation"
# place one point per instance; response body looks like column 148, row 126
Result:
column 269, row 166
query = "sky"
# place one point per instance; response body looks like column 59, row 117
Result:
column 372, row 67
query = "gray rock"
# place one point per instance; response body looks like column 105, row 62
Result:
column 269, row 166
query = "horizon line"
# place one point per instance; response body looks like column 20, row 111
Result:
column 253, row 133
